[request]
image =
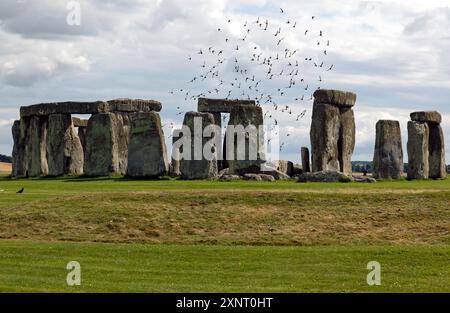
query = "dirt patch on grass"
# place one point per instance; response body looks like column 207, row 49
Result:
column 5, row 168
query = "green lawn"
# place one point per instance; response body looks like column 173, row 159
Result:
column 41, row 267
column 209, row 236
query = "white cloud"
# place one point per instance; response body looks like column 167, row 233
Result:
column 393, row 54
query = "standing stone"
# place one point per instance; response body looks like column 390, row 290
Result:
column 198, row 167
column 102, row 148
column 175, row 164
column 305, row 160
column 388, row 157
column 64, row 149
column 123, row 140
column 36, row 147
column 18, row 168
column 81, row 126
column 418, row 152
column 333, row 131
column 437, row 152
column 147, row 153
column 346, row 142
column 82, row 136
column 247, row 157
column 324, row 137
column 285, row 167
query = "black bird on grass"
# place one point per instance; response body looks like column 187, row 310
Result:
column 21, row 191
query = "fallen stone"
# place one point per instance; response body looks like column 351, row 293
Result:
column 268, row 178
column 437, row 152
column 225, row 171
column 324, row 177
column 364, row 179
column 335, row 97
column 147, row 153
column 228, row 178
column 418, row 151
column 298, row 171
column 275, row 173
column 250, row 176
column 388, row 156
column 432, row 117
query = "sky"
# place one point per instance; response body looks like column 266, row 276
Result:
column 392, row 54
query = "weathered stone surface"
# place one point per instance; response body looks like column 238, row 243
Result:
column 324, row 137
column 175, row 163
column 275, row 173
column 18, row 166
column 266, row 177
column 119, row 105
column 335, row 97
column 82, row 135
column 36, row 147
column 388, row 156
column 432, row 117
column 298, row 170
column 324, row 177
column 286, row 167
column 418, row 153
column 306, row 165
column 250, row 176
column 123, row 140
column 134, row 105
column 249, row 155
column 78, row 122
column 64, row 150
column 147, row 153
column 102, row 147
column 228, row 178
column 220, row 105
column 364, row 179
column 346, row 141
column 437, row 152
column 198, row 167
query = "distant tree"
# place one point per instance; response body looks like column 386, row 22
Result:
column 5, row 158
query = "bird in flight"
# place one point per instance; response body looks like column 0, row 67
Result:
column 21, row 191
column 281, row 11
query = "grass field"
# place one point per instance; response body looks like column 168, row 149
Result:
column 36, row 267
column 216, row 236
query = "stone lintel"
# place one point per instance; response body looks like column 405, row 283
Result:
column 432, row 117
column 72, row 107
column 335, row 97
column 221, row 105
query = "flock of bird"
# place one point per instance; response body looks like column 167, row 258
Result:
column 276, row 64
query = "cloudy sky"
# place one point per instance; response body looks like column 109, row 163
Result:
column 393, row 54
